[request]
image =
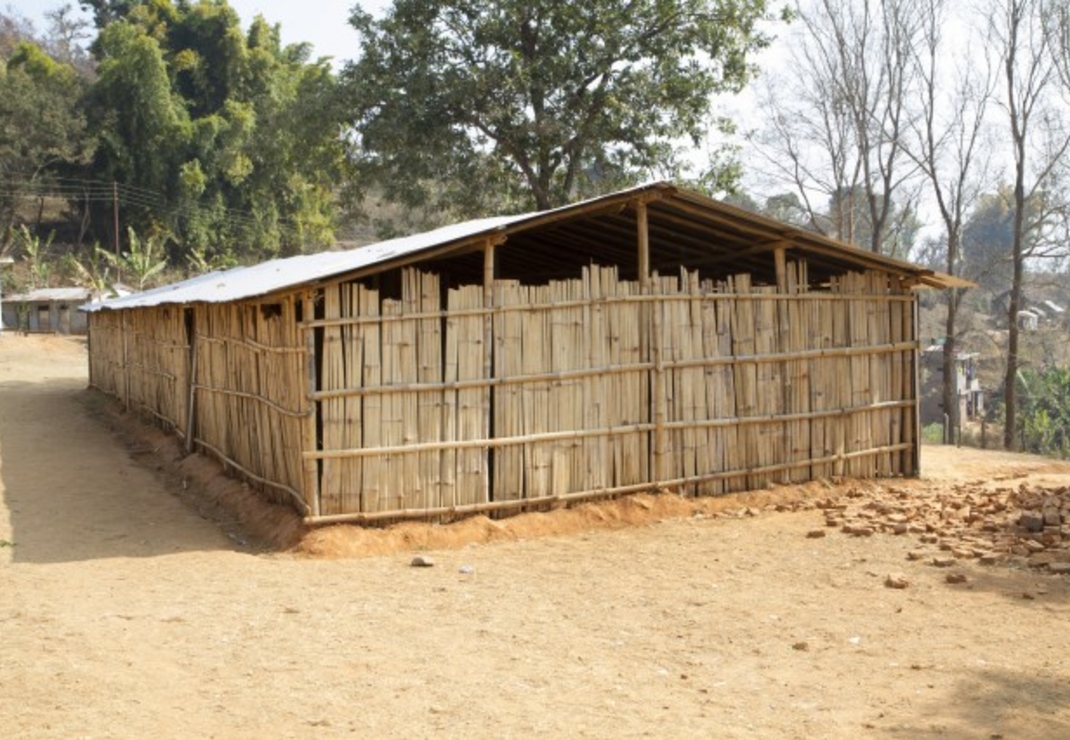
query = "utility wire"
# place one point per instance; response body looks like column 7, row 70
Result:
column 98, row 191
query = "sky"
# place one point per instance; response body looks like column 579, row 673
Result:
column 323, row 23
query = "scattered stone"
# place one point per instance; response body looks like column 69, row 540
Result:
column 917, row 555
column 801, row 645
column 943, row 562
column 466, row 570
column 1059, row 568
column 1031, row 521
column 422, row 561
column 896, row 580
column 815, row 534
column 900, row 528
column 988, row 558
column 955, row 578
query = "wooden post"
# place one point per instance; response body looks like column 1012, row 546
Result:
column 915, row 358
column 190, row 415
column 650, row 348
column 644, row 245
column 308, row 436
column 488, row 360
column 124, row 327
column 781, row 259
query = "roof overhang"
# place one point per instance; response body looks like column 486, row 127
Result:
column 685, row 228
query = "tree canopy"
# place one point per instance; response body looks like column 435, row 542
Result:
column 540, row 100
column 238, row 135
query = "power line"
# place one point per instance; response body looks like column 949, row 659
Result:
column 98, row 191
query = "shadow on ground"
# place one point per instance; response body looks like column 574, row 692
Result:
column 991, row 702
column 69, row 489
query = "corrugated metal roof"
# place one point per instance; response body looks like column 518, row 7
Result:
column 680, row 220
column 42, row 295
column 267, row 277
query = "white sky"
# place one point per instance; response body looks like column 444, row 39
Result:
column 323, row 23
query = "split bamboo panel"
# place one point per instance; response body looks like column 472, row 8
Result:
column 106, row 368
column 142, row 356
column 797, row 390
column 248, row 392
column 597, row 385
column 464, row 361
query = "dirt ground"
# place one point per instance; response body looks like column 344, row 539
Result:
column 127, row 610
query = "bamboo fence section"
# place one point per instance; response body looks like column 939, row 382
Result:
column 432, row 401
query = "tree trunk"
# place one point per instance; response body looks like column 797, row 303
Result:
column 950, row 397
column 1010, row 380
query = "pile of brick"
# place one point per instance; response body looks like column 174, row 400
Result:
column 1024, row 526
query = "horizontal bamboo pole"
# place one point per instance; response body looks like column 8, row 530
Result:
column 500, row 506
column 152, row 371
column 564, row 375
column 226, row 461
column 252, row 344
column 144, row 408
column 606, row 300
column 253, row 397
column 603, row 432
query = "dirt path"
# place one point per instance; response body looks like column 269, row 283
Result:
column 123, row 613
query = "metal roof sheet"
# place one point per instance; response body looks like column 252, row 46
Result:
column 267, row 277
column 42, row 295
column 726, row 230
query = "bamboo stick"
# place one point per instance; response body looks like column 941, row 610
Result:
column 192, row 408
column 625, row 297
column 501, row 506
column 308, row 440
column 554, row 436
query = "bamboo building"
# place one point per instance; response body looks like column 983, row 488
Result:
column 652, row 338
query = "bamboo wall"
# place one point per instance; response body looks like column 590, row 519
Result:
column 593, row 386
column 246, row 363
column 351, row 404
column 142, row 357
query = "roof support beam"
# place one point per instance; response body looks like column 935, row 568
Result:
column 644, row 245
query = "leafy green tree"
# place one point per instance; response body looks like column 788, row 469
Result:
column 228, row 140
column 1044, row 420
column 456, row 101
column 36, row 253
column 143, row 260
column 42, row 126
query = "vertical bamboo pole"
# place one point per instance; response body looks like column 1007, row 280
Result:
column 781, row 259
column 190, row 416
column 308, row 440
column 650, row 341
column 125, row 331
column 488, row 360
column 644, row 245
column 915, row 450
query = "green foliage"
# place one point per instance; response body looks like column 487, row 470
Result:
column 232, row 140
column 36, row 253
column 42, row 125
column 144, row 259
column 932, row 434
column 94, row 271
column 457, row 102
column 1044, row 414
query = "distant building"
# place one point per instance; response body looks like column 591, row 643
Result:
column 51, row 310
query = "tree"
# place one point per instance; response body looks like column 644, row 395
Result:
column 948, row 146
column 839, row 132
column 42, row 126
column 228, row 140
column 1038, row 141
column 541, row 100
